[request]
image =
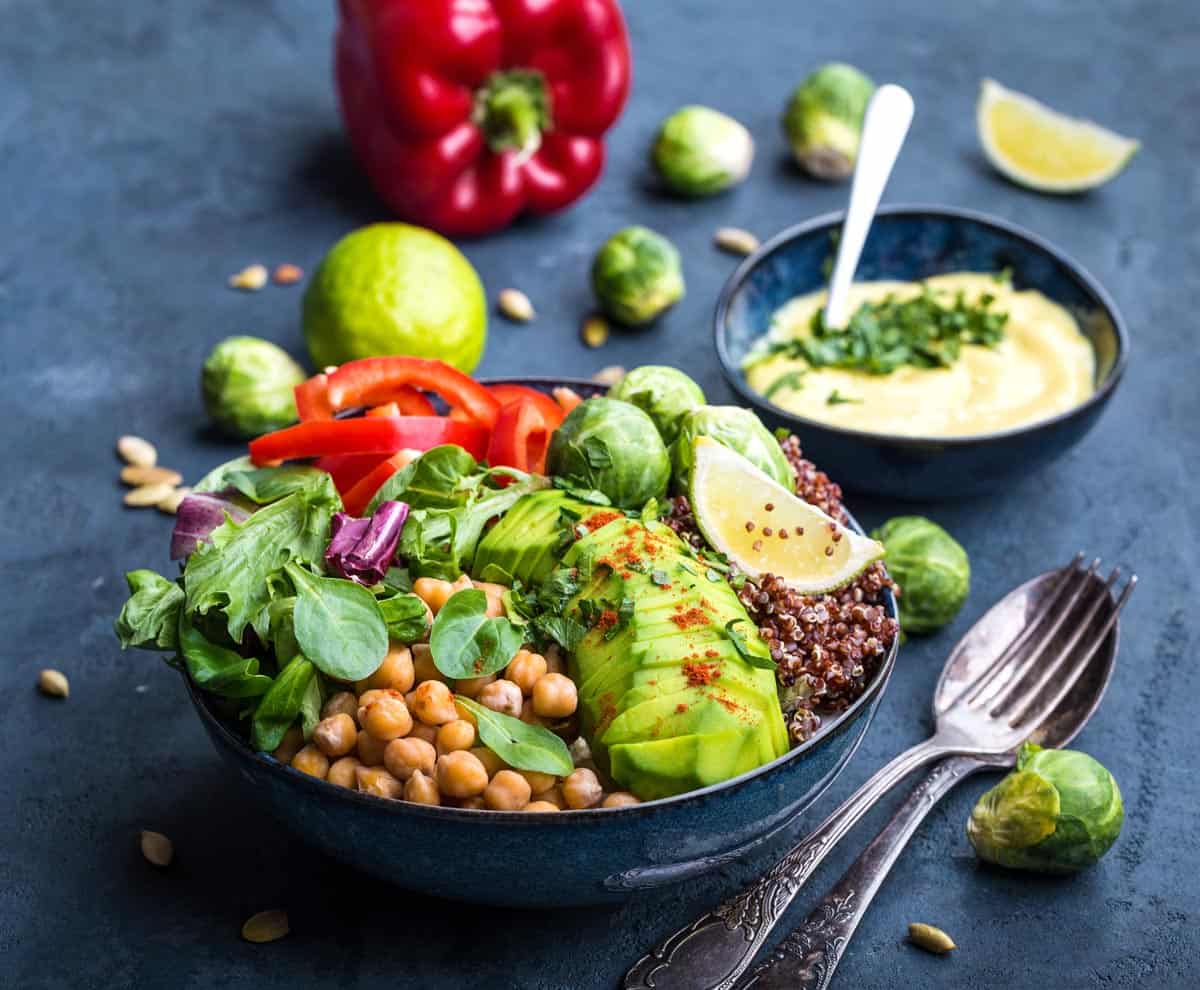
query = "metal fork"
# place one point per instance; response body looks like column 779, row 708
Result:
column 991, row 714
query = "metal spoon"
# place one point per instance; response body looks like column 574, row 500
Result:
column 885, row 126
column 807, row 958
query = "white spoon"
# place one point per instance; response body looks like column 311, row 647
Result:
column 884, row 128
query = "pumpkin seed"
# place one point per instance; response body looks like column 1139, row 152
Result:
column 266, row 926
column 157, row 848
column 249, row 279
column 54, row 683
column 735, row 240
column 287, row 274
column 170, row 504
column 136, row 451
column 131, row 474
column 610, row 375
column 514, row 304
column 145, row 496
column 930, row 939
column 594, row 332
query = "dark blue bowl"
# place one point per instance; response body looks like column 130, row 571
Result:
column 910, row 243
column 586, row 857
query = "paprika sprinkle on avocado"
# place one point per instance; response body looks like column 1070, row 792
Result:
column 593, row 523
column 699, row 673
column 690, row 618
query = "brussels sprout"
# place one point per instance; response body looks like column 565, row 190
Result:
column 1058, row 812
column 612, row 447
column 700, row 151
column 931, row 568
column 824, row 118
column 637, row 275
column 665, row 394
column 248, row 385
column 738, row 429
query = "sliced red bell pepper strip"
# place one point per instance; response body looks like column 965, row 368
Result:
column 550, row 409
column 521, row 438
column 368, row 435
column 312, row 399
column 356, row 500
column 407, row 400
column 370, row 381
column 347, row 470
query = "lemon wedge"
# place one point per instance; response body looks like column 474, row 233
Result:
column 1045, row 150
column 764, row 528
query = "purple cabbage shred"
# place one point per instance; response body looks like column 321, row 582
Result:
column 362, row 550
column 198, row 515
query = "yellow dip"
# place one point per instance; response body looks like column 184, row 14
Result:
column 1041, row 367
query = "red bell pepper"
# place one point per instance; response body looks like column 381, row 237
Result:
column 550, row 410
column 348, row 469
column 356, row 500
column 312, row 399
column 368, row 435
column 377, row 380
column 521, row 438
column 465, row 113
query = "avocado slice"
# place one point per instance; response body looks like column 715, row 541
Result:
column 663, row 767
column 527, row 542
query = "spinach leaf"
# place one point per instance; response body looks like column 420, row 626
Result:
column 743, row 647
column 231, row 572
column 338, row 625
column 265, row 485
column 149, row 619
column 218, row 669
column 396, row 580
column 440, row 478
column 406, row 617
column 465, row 642
column 281, row 705
column 521, row 745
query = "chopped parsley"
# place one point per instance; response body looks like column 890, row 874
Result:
column 835, row 398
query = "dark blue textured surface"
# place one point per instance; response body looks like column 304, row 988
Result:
column 148, row 150
column 907, row 244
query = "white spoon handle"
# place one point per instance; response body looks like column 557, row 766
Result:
column 884, row 128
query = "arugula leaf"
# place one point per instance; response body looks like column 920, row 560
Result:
column 231, row 571
column 265, row 485
column 217, row 669
column 149, row 619
column 465, row 642
column 339, row 625
column 282, row 704
column 521, row 745
column 406, row 617
column 743, row 647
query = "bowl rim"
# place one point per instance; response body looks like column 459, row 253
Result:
column 735, row 378
column 834, row 726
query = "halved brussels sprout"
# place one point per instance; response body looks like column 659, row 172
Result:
column 700, row 151
column 637, row 275
column 738, row 429
column 824, row 118
column 248, row 386
column 930, row 566
column 665, row 394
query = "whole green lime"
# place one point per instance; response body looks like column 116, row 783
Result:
column 392, row 288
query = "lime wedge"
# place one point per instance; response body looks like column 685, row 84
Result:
column 1045, row 150
column 764, row 528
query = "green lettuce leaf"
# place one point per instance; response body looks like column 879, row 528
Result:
column 149, row 620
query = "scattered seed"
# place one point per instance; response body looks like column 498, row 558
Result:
column 249, row 279
column 735, row 240
column 770, row 506
column 610, row 375
column 157, row 848
column 783, row 534
column 799, row 530
column 829, row 550
column 930, row 939
column 749, row 525
column 837, row 537
column 266, row 926
column 768, row 531
column 170, row 504
column 136, row 451
column 514, row 304
column 54, row 683
column 287, row 274
column 594, row 331
column 145, row 496
column 756, row 546
column 131, row 474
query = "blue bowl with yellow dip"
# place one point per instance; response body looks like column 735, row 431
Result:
column 584, row 857
column 1064, row 350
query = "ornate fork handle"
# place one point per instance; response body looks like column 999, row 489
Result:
column 807, row 958
column 716, row 949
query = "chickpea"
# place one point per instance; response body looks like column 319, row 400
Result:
column 553, row 796
column 538, row 782
column 377, row 781
column 396, row 671
column 502, row 696
column 343, row 772
column 370, row 750
column 524, row 670
column 421, row 789
column 311, row 761
column 554, row 696
column 475, row 803
column 541, row 806
column 508, row 791
column 491, row 762
column 424, row 669
column 471, row 686
column 366, row 698
column 495, row 597
column 456, row 735
column 528, row 714
column 434, row 704
column 336, row 735
column 434, row 592
column 461, row 775
column 422, row 731
column 555, row 662
column 291, row 744
column 387, row 718
column 619, row 799
column 405, row 756
column 582, row 789
column 342, row 703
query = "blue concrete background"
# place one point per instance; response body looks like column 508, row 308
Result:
column 148, row 150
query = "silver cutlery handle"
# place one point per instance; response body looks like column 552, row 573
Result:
column 807, row 958
column 715, row 950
